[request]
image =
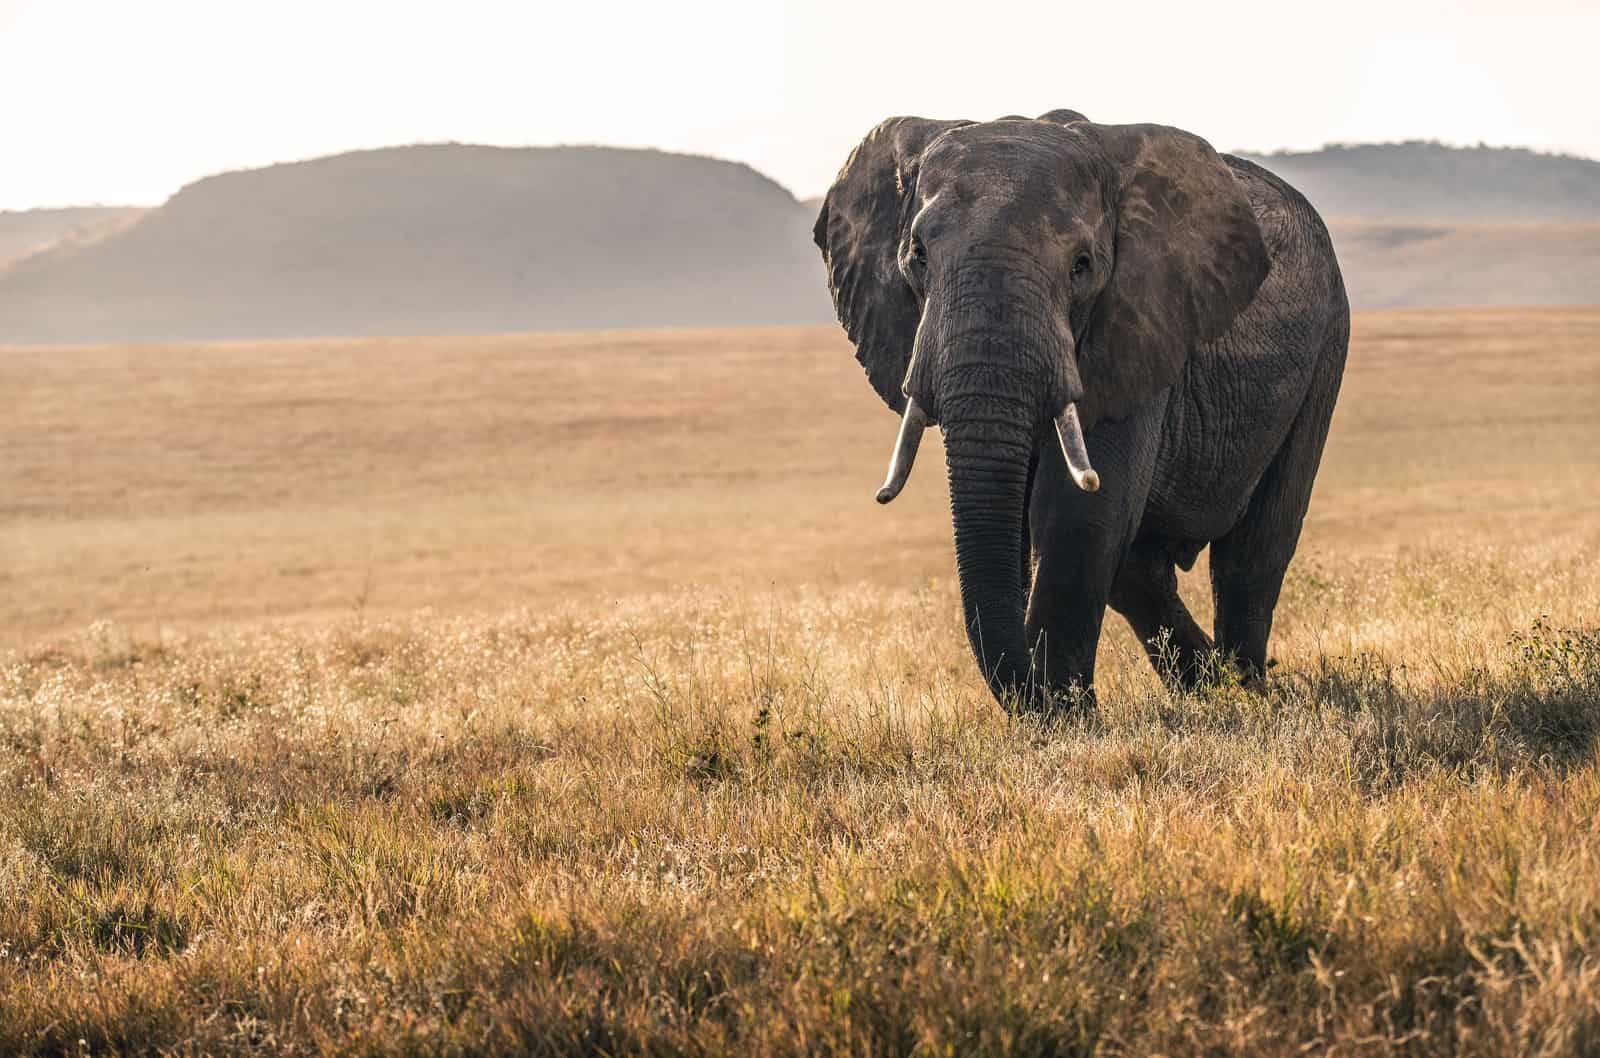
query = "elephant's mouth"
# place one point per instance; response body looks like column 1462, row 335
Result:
column 1069, row 432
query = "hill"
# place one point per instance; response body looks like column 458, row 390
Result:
column 465, row 239
column 1418, row 181
column 434, row 239
column 23, row 232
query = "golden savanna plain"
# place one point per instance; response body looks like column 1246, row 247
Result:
column 569, row 693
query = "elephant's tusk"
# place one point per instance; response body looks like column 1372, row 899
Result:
column 905, row 452
column 1070, row 431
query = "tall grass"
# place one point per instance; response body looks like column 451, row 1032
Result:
column 795, row 824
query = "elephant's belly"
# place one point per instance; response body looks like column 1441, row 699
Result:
column 1222, row 431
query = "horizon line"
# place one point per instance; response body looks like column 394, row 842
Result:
column 1280, row 152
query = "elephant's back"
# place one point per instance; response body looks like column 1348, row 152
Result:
column 1298, row 243
column 1301, row 314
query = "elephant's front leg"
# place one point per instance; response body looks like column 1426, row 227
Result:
column 1067, row 605
column 1079, row 540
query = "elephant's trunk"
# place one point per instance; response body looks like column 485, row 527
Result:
column 988, row 468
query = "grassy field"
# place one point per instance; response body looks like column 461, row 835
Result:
column 554, row 694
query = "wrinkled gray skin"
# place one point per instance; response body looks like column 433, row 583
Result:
column 1188, row 303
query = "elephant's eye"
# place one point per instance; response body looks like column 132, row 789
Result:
column 919, row 252
column 1081, row 266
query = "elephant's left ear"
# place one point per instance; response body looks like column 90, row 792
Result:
column 1189, row 258
column 858, row 231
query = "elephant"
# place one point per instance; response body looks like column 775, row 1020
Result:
column 1132, row 345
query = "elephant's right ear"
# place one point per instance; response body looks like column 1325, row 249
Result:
column 858, row 232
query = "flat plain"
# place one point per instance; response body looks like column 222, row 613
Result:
column 569, row 693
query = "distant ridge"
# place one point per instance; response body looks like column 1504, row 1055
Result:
column 453, row 238
column 27, row 231
column 1422, row 181
column 434, row 239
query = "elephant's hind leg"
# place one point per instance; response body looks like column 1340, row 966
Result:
column 1249, row 563
column 1146, row 593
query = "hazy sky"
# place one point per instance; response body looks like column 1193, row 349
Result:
column 124, row 101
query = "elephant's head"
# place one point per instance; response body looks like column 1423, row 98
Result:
column 999, row 278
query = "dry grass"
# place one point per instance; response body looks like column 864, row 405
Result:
column 269, row 807
column 175, row 487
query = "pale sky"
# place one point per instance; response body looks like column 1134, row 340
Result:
column 124, row 101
